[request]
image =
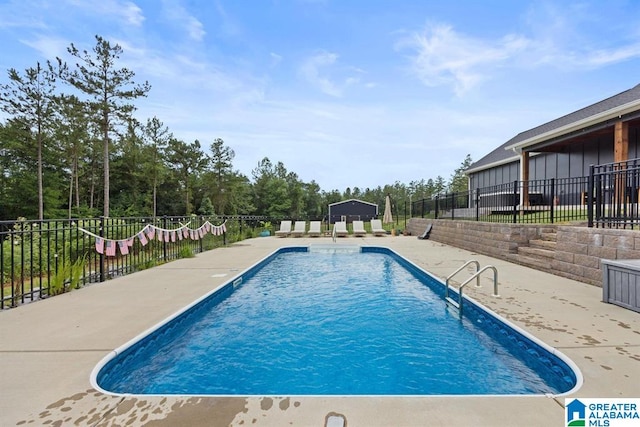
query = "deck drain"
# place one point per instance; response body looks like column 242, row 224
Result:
column 335, row 420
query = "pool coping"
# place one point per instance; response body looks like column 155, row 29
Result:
column 602, row 339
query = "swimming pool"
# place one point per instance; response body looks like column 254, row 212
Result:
column 334, row 321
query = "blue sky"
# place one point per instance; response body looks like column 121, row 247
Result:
column 349, row 93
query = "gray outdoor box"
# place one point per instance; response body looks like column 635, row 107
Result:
column 621, row 282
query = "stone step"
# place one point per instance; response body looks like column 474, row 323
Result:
column 536, row 252
column 532, row 262
column 549, row 245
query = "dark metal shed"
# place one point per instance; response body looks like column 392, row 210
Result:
column 352, row 210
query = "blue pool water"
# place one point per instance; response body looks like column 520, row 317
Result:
column 327, row 323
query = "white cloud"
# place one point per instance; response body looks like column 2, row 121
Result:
column 19, row 14
column 36, row 13
column 605, row 57
column 128, row 11
column 553, row 38
column 132, row 13
column 180, row 17
column 310, row 70
column 275, row 59
column 443, row 56
column 48, row 46
column 228, row 27
column 317, row 70
column 577, row 37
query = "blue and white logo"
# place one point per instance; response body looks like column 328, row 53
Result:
column 602, row 412
column 575, row 413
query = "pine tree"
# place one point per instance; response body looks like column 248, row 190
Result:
column 221, row 158
column 459, row 182
column 109, row 90
column 30, row 99
column 188, row 161
column 158, row 136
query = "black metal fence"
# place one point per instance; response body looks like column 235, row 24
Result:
column 539, row 201
column 614, row 201
column 39, row 259
column 608, row 197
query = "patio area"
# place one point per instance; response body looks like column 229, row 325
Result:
column 49, row 348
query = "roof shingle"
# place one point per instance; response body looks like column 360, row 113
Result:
column 500, row 154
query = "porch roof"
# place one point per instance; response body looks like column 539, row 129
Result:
column 586, row 121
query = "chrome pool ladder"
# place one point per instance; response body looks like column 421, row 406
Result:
column 476, row 275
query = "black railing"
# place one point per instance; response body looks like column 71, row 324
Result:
column 539, row 201
column 39, row 259
column 616, row 193
column 613, row 201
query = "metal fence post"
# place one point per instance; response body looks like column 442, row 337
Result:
column 405, row 214
column 477, row 200
column 14, row 295
column 101, row 234
column 2, row 271
column 553, row 200
column 200, row 244
column 515, row 201
column 590, row 183
column 164, row 244
column 598, row 195
column 437, row 207
column 453, row 205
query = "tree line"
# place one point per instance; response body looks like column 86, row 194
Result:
column 71, row 147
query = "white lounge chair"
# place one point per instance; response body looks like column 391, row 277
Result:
column 358, row 229
column 299, row 228
column 314, row 229
column 285, row 229
column 376, row 228
column 340, row 229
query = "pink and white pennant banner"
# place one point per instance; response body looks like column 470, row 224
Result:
column 110, row 249
column 124, row 247
column 99, row 245
column 143, row 238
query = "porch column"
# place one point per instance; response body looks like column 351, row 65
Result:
column 620, row 154
column 524, row 178
column 621, row 142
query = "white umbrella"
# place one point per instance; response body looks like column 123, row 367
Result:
column 387, row 218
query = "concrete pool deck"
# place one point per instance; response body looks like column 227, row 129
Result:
column 49, row 348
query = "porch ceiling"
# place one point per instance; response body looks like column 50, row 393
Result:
column 559, row 144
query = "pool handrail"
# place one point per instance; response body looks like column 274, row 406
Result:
column 471, row 261
column 476, row 276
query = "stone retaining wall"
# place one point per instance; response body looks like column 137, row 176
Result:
column 578, row 253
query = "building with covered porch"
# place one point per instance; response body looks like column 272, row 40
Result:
column 605, row 132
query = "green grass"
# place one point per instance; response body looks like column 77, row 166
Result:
column 540, row 217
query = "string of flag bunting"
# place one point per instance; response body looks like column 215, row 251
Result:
column 150, row 232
